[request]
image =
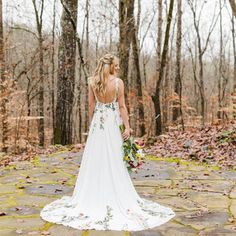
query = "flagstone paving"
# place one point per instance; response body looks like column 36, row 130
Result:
column 203, row 197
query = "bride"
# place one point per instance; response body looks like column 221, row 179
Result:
column 104, row 197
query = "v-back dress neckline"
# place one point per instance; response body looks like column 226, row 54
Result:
column 115, row 96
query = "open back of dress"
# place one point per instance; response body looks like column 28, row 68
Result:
column 111, row 92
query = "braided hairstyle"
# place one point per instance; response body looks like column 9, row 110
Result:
column 101, row 74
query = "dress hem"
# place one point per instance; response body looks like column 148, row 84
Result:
column 114, row 229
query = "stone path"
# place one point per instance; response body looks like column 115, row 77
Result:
column 204, row 198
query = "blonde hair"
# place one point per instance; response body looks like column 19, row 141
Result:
column 102, row 72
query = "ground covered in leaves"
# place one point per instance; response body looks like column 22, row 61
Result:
column 215, row 144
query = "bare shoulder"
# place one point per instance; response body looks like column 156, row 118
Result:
column 120, row 87
column 120, row 82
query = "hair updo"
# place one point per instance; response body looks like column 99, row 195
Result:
column 102, row 72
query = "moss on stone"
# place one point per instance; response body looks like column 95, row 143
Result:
column 178, row 160
column 46, row 226
column 11, row 201
column 10, row 167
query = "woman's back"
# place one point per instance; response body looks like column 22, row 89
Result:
column 111, row 91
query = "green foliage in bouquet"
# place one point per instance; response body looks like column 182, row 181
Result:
column 133, row 152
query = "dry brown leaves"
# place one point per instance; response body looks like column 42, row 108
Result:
column 7, row 159
column 215, row 144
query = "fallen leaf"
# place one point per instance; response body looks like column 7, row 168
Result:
column 58, row 190
column 20, row 220
column 21, row 187
column 33, row 233
column 19, row 231
column 18, row 208
column 45, row 233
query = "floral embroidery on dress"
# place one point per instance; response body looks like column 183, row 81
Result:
column 110, row 105
column 153, row 209
column 102, row 120
column 106, row 219
column 125, row 227
column 140, row 218
column 68, row 218
column 94, row 126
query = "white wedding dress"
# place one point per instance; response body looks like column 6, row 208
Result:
column 104, row 197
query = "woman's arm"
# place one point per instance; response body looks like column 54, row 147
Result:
column 91, row 101
column 123, row 109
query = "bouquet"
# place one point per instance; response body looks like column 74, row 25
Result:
column 133, row 152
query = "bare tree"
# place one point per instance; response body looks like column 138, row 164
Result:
column 136, row 56
column 222, row 77
column 87, row 9
column 159, row 36
column 3, row 97
column 39, row 23
column 156, row 96
column 125, row 13
column 234, row 46
column 66, row 73
column 177, row 110
column 53, row 66
column 234, row 55
column 201, row 51
column 158, row 65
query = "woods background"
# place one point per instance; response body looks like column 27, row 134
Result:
column 177, row 59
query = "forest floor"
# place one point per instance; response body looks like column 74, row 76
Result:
column 203, row 196
column 213, row 144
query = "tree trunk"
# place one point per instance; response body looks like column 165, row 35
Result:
column 219, row 113
column 124, row 46
column 234, row 49
column 53, row 68
column 138, row 82
column 66, row 73
column 158, row 66
column 87, row 64
column 234, row 55
column 202, row 89
column 156, row 96
column 4, row 98
column 41, row 94
column 39, row 24
column 177, row 110
column 165, row 92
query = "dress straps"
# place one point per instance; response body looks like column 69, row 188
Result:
column 116, row 91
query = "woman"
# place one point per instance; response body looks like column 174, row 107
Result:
column 104, row 197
